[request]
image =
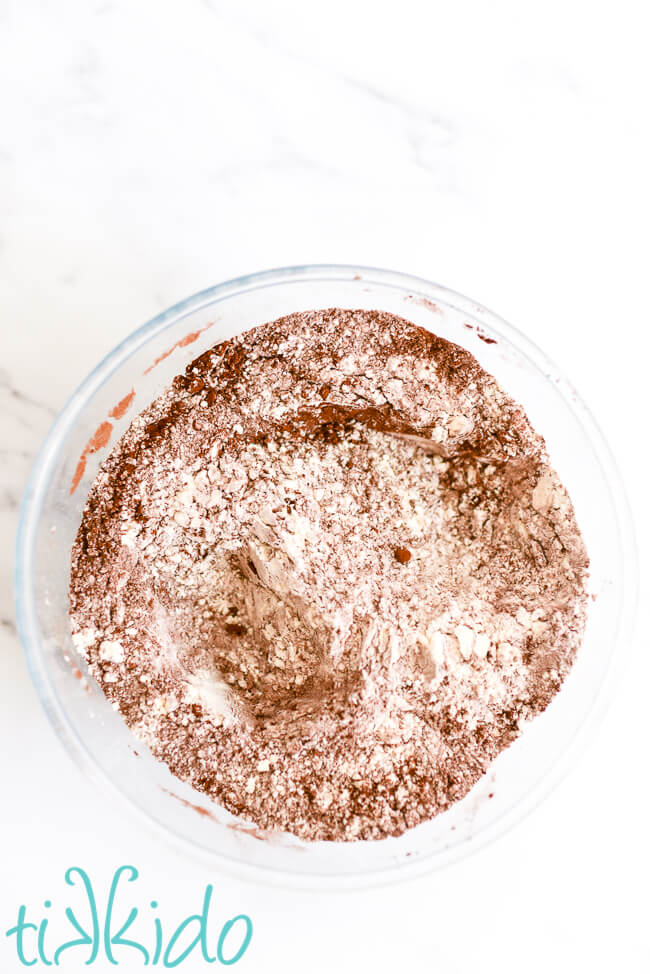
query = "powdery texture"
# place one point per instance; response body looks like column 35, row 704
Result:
column 329, row 575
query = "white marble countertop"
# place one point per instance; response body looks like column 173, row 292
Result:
column 149, row 150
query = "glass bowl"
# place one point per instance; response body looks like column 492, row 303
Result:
column 127, row 381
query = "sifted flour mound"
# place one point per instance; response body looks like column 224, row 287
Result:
column 329, row 574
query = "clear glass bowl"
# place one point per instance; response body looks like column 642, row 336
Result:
column 96, row 736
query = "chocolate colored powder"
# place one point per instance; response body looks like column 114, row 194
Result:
column 329, row 575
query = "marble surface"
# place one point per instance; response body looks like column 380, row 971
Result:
column 148, row 150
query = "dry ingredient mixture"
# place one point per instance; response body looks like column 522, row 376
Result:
column 329, row 575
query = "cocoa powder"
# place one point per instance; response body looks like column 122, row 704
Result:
column 329, row 575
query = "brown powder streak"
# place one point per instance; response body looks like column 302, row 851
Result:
column 97, row 441
column 123, row 405
column 181, row 343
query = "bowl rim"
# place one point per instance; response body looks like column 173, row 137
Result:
column 492, row 323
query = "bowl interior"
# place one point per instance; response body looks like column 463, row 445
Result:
column 100, row 411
